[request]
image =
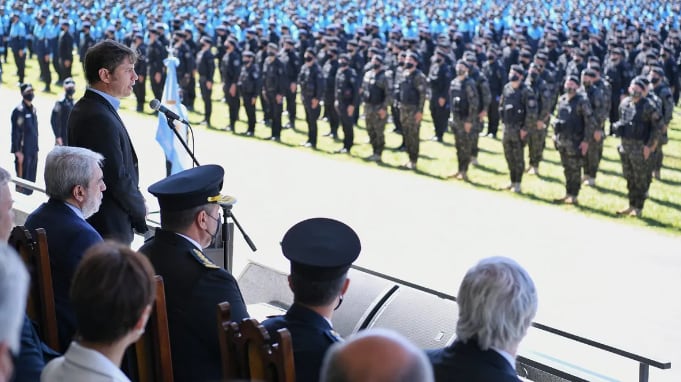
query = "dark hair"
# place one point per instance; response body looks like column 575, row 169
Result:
column 179, row 220
column 107, row 54
column 315, row 293
column 111, row 288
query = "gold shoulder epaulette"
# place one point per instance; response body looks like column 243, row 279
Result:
column 198, row 255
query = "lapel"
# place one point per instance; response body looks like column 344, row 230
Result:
column 98, row 98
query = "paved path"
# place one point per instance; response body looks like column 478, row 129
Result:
column 596, row 277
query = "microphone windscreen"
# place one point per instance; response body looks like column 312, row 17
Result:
column 155, row 104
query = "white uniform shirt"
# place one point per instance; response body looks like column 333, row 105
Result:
column 80, row 364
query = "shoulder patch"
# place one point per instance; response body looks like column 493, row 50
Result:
column 201, row 258
column 333, row 335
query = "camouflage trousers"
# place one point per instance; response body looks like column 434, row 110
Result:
column 572, row 160
column 410, row 130
column 475, row 136
column 593, row 157
column 536, row 142
column 636, row 170
column 658, row 155
column 513, row 151
column 376, row 127
column 464, row 144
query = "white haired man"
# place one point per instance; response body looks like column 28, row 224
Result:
column 74, row 182
column 497, row 302
column 376, row 355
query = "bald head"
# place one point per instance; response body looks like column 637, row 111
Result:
column 376, row 355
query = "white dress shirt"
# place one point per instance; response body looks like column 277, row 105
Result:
column 80, row 364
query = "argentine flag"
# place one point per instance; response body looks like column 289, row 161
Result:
column 171, row 146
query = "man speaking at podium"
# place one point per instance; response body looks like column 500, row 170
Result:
column 95, row 124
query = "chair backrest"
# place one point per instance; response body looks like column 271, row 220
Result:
column 248, row 353
column 152, row 350
column 40, row 306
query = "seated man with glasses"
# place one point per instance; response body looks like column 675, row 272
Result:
column 194, row 285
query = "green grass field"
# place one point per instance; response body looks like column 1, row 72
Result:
column 438, row 160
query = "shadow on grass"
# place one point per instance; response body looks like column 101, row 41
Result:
column 610, row 191
column 550, row 179
column 665, row 203
column 488, row 169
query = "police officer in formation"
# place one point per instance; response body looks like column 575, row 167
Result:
column 24, row 122
column 65, row 51
column 484, row 99
column 573, row 128
column 464, row 96
column 518, row 110
column 230, row 69
column 665, row 105
column 291, row 62
column 140, row 87
column 639, row 126
column 249, row 86
column 61, row 112
column 377, row 92
column 347, row 95
column 496, row 76
column 599, row 105
column 311, row 80
column 205, row 67
column 439, row 77
column 536, row 135
column 156, row 53
column 413, row 91
column 274, row 88
column 330, row 69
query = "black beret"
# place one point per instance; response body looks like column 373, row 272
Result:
column 518, row 69
column 190, row 188
column 206, row 40
column 590, row 73
column 26, row 87
column 320, row 249
column 463, row 62
column 572, row 78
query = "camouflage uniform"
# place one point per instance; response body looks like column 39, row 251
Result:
column 639, row 124
column 536, row 138
column 518, row 110
column 484, row 99
column 574, row 124
column 666, row 107
column 599, row 105
column 464, row 97
column 413, row 89
column 377, row 95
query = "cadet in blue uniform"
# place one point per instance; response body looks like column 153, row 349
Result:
column 190, row 220
column 321, row 251
column 25, row 137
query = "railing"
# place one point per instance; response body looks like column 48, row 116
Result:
column 644, row 362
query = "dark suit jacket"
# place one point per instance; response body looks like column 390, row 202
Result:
column 68, row 237
column 193, row 286
column 95, row 124
column 463, row 362
column 33, row 356
column 311, row 335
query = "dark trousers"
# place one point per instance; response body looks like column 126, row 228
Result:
column 440, row 114
column 291, row 106
column 265, row 105
column 65, row 68
column 636, row 170
column 28, row 170
column 513, row 151
column 347, row 121
column 157, row 87
column 233, row 103
column 207, row 101
column 45, row 74
column 311, row 116
column 331, row 114
column 276, row 108
column 249, row 105
column 140, row 90
column 20, row 61
column 395, row 113
column 493, row 116
column 188, row 85
column 572, row 162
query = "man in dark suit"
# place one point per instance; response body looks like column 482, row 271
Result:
column 94, row 123
column 74, row 183
column 190, row 221
column 321, row 251
column 497, row 302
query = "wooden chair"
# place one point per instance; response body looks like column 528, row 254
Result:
column 248, row 353
column 152, row 351
column 40, row 306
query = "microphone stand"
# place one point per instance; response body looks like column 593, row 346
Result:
column 177, row 134
column 227, row 233
column 227, row 228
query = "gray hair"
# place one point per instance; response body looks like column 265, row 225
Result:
column 497, row 302
column 338, row 368
column 4, row 176
column 67, row 167
column 13, row 288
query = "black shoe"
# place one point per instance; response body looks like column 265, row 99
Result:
column 342, row 151
column 309, row 144
column 248, row 134
column 329, row 134
column 402, row 148
column 274, row 139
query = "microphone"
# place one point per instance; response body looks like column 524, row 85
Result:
column 157, row 106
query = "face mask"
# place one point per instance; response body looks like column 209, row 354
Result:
column 309, row 58
column 217, row 229
column 490, row 58
column 570, row 90
column 409, row 65
column 514, row 77
column 377, row 66
column 654, row 80
column 271, row 53
column 70, row 91
column 343, row 64
column 534, row 75
column 636, row 94
column 29, row 97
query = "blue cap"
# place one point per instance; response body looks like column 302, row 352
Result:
column 320, row 249
column 191, row 188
